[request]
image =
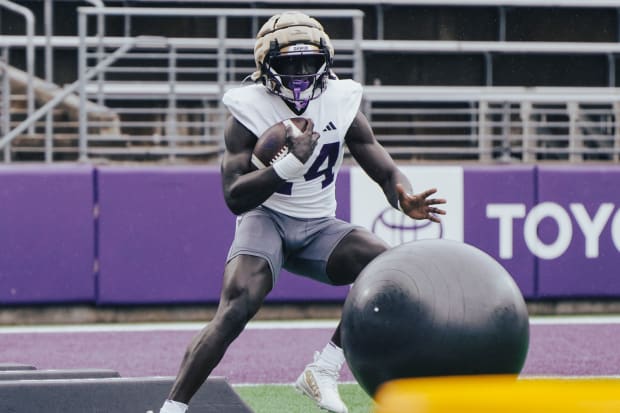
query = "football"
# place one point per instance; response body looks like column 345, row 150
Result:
column 271, row 145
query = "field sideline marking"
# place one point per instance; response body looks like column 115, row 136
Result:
column 260, row 325
column 172, row 326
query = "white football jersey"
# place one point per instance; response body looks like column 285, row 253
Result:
column 313, row 194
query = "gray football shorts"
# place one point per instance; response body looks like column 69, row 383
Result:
column 300, row 245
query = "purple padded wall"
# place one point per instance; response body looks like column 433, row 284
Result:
column 583, row 191
column 500, row 186
column 46, row 234
column 163, row 234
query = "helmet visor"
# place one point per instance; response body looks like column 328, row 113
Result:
column 303, row 64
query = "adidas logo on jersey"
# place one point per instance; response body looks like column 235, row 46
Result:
column 329, row 126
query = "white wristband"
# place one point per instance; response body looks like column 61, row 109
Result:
column 400, row 208
column 288, row 167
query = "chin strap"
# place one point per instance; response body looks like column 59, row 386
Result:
column 300, row 105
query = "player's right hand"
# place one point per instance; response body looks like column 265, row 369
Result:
column 302, row 145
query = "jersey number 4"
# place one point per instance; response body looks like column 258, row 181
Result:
column 328, row 152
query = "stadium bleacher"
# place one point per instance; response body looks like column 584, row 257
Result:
column 448, row 80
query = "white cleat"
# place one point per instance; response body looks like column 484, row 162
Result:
column 320, row 384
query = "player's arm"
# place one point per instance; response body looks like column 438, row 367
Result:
column 381, row 168
column 244, row 187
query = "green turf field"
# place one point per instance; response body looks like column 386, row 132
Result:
column 284, row 399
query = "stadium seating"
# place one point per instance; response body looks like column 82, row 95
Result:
column 474, row 80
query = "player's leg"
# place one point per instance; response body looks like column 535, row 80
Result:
column 247, row 280
column 347, row 251
column 248, row 277
column 352, row 254
column 350, row 257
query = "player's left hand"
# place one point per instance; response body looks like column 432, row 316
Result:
column 419, row 206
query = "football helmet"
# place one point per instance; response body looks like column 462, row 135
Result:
column 293, row 56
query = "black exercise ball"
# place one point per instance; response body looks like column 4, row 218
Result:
column 433, row 308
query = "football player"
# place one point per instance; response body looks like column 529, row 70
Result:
column 286, row 211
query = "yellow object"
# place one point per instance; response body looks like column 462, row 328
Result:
column 498, row 394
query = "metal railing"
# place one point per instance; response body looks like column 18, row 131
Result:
column 166, row 93
column 498, row 124
column 30, row 60
column 58, row 98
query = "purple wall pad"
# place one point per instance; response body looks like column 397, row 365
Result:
column 46, row 234
column 575, row 270
column 279, row 355
column 164, row 234
column 500, row 186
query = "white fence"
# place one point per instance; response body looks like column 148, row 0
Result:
column 499, row 124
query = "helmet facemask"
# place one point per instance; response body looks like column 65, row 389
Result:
column 296, row 73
